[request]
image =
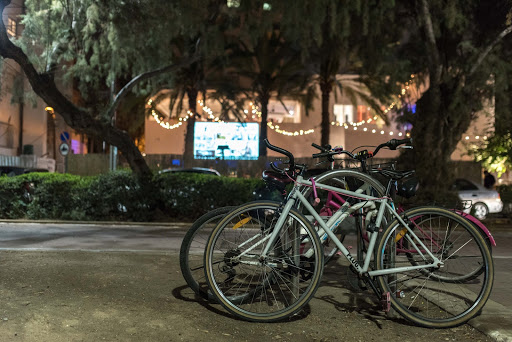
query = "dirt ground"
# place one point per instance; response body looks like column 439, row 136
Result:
column 91, row 296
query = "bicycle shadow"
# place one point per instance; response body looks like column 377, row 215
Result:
column 185, row 294
column 339, row 288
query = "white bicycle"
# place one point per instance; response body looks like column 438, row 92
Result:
column 264, row 260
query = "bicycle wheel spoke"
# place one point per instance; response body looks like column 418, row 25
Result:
column 263, row 287
column 440, row 295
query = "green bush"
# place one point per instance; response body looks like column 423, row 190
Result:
column 13, row 202
column 188, row 196
column 120, row 196
column 54, row 197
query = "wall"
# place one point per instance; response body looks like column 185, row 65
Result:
column 87, row 164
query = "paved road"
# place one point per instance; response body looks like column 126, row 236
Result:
column 167, row 238
column 496, row 319
column 96, row 237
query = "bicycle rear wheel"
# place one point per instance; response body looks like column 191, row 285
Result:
column 192, row 250
column 433, row 297
column 256, row 287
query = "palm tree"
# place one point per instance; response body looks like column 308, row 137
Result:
column 269, row 68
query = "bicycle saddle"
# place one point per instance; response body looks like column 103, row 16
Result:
column 273, row 176
column 396, row 174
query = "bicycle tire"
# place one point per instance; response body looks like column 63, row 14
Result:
column 338, row 178
column 270, row 289
column 426, row 298
column 192, row 250
column 470, row 274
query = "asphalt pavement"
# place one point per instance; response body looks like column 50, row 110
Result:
column 495, row 320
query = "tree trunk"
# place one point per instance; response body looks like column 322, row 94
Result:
column 436, row 131
column 188, row 155
column 325, row 125
column 263, row 125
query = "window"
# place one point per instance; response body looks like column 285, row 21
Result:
column 363, row 113
column 11, row 27
column 344, row 113
column 289, row 113
column 464, row 185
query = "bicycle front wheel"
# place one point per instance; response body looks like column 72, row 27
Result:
column 257, row 287
column 465, row 273
column 438, row 296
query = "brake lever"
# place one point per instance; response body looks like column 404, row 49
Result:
column 405, row 146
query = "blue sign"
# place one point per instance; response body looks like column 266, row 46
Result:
column 64, row 137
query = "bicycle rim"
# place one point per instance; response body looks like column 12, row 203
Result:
column 432, row 297
column 263, row 289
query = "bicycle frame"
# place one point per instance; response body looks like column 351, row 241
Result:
column 340, row 215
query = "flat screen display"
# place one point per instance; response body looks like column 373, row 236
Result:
column 226, row 140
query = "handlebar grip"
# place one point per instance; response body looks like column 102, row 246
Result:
column 282, row 151
column 404, row 141
column 394, row 143
column 317, row 146
column 325, row 148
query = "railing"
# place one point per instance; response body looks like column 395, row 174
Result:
column 28, row 161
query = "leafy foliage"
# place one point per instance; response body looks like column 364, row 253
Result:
column 120, row 196
column 495, row 154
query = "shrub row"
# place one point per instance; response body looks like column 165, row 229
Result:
column 120, row 196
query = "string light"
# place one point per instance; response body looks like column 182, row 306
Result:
column 160, row 120
column 284, row 132
column 256, row 114
column 476, row 137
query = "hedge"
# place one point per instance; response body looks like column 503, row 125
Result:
column 120, row 196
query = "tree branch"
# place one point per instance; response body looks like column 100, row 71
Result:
column 77, row 118
column 435, row 60
column 489, row 48
column 142, row 77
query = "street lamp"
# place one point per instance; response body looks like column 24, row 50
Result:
column 51, row 114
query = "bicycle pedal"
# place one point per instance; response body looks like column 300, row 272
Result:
column 386, row 302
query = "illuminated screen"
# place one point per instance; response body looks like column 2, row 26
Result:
column 228, row 140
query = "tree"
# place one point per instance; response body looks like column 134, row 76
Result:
column 454, row 55
column 495, row 153
column 347, row 51
column 269, row 67
column 93, row 45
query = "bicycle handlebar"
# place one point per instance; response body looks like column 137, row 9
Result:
column 291, row 159
column 392, row 144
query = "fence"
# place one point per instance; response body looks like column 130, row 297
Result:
column 92, row 164
column 28, row 161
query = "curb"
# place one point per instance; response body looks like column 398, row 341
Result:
column 494, row 322
column 170, row 225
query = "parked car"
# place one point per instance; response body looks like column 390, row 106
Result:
column 201, row 170
column 484, row 201
column 11, row 171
